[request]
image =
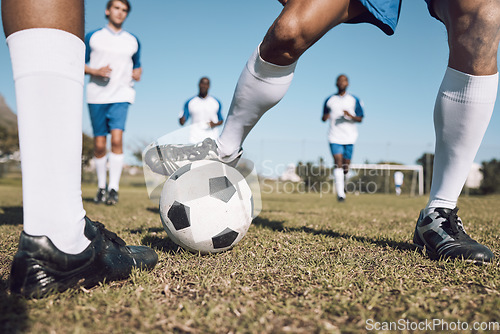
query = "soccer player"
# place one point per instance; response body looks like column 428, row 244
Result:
column 59, row 247
column 344, row 111
column 205, row 113
column 462, row 111
column 113, row 62
column 398, row 181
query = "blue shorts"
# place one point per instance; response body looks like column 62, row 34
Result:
column 107, row 117
column 345, row 150
column 381, row 13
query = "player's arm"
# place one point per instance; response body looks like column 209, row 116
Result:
column 136, row 62
column 326, row 111
column 352, row 117
column 219, row 117
column 185, row 115
column 103, row 72
column 213, row 125
column 137, row 73
column 358, row 110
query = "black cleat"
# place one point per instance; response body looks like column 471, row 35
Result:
column 39, row 268
column 112, row 198
column 101, row 195
column 340, row 199
column 442, row 235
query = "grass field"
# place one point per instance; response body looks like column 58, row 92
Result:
column 307, row 265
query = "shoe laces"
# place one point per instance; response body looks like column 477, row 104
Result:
column 452, row 223
column 109, row 235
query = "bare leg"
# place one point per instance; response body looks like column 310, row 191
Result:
column 269, row 72
column 303, row 23
column 467, row 96
column 463, row 108
column 58, row 14
column 473, row 34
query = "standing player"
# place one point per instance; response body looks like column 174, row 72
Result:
column 344, row 111
column 398, row 181
column 113, row 62
column 205, row 113
column 462, row 111
column 59, row 246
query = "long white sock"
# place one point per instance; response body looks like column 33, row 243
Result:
column 48, row 68
column 101, row 171
column 463, row 109
column 260, row 87
column 115, row 170
column 338, row 174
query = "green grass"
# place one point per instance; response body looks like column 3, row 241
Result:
column 306, row 265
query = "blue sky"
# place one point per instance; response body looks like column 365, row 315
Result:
column 397, row 78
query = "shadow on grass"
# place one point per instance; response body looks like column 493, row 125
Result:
column 154, row 210
column 13, row 311
column 383, row 242
column 160, row 244
column 11, row 215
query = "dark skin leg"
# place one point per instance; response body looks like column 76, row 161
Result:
column 473, row 28
column 58, row 14
column 340, row 162
column 301, row 24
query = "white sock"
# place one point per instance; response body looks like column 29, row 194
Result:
column 48, row 68
column 115, row 170
column 463, row 109
column 260, row 87
column 338, row 174
column 101, row 171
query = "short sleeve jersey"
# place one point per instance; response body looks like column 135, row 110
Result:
column 121, row 51
column 201, row 111
column 342, row 130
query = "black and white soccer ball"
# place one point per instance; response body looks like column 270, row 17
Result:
column 206, row 207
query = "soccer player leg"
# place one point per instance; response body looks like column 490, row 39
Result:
column 269, row 71
column 338, row 171
column 462, row 112
column 100, row 128
column 59, row 247
column 118, row 116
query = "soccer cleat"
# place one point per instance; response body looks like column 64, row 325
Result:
column 442, row 235
column 112, row 198
column 101, row 195
column 39, row 268
column 340, row 199
column 166, row 159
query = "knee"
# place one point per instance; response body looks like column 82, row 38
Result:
column 285, row 42
column 116, row 144
column 99, row 149
column 473, row 23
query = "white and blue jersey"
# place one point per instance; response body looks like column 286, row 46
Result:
column 201, row 111
column 342, row 129
column 121, row 51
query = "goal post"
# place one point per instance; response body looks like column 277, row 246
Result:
column 386, row 171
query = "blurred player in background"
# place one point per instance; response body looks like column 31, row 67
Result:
column 398, row 181
column 59, row 247
column 113, row 63
column 205, row 113
column 462, row 111
column 344, row 111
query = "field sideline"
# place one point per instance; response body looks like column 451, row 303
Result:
column 307, row 265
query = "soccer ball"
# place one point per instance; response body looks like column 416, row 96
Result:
column 206, row 207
